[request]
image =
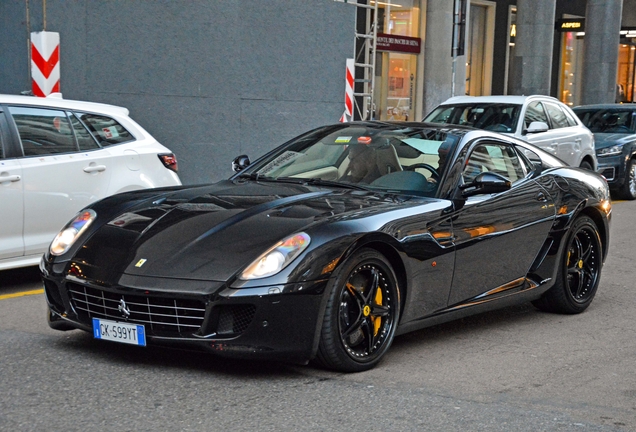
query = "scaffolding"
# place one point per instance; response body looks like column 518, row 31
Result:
column 366, row 36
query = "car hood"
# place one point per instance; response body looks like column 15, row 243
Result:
column 603, row 140
column 215, row 231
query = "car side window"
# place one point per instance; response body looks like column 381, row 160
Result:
column 569, row 117
column 106, row 130
column 43, row 131
column 493, row 157
column 84, row 138
column 556, row 116
column 535, row 112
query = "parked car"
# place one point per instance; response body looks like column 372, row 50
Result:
column 540, row 120
column 614, row 129
column 332, row 244
column 58, row 156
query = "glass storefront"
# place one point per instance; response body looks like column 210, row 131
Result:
column 570, row 69
column 625, row 78
column 395, row 87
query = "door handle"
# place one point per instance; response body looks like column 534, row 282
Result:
column 95, row 168
column 11, row 178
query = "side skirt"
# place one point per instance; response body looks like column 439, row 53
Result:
column 512, row 293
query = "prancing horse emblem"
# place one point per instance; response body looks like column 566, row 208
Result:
column 123, row 308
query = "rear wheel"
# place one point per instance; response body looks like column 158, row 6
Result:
column 628, row 190
column 579, row 271
column 361, row 314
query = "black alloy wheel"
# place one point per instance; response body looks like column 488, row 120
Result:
column 628, row 190
column 579, row 271
column 361, row 314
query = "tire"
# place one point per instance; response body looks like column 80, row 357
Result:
column 586, row 165
column 628, row 189
column 361, row 315
column 579, row 271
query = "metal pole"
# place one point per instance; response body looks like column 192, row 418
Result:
column 28, row 28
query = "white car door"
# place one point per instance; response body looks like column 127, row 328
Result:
column 568, row 138
column 11, row 209
column 58, row 179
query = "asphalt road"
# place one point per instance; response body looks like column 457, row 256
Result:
column 516, row 369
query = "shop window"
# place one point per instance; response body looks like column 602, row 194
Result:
column 395, row 88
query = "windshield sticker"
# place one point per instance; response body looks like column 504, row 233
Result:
column 282, row 160
column 343, row 139
column 423, row 145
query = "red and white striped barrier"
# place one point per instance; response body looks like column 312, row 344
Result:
column 348, row 113
column 45, row 63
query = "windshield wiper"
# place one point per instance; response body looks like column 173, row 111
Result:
column 304, row 181
column 321, row 182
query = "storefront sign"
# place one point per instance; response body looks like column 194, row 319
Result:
column 398, row 43
column 570, row 25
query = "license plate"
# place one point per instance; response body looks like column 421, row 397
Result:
column 133, row 334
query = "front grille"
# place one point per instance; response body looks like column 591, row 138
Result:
column 234, row 319
column 162, row 316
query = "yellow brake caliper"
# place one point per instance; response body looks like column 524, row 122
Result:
column 377, row 320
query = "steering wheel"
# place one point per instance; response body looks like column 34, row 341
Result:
column 434, row 173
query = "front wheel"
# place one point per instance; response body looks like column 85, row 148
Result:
column 586, row 165
column 361, row 314
column 579, row 271
column 628, row 190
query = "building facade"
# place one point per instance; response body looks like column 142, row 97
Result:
column 215, row 79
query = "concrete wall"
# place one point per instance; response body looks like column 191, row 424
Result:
column 209, row 79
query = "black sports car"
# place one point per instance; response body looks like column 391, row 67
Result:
column 332, row 244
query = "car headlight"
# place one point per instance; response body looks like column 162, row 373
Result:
column 610, row 151
column 70, row 233
column 277, row 257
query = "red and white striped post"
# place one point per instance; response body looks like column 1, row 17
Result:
column 348, row 112
column 45, row 63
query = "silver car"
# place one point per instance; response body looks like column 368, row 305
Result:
column 540, row 120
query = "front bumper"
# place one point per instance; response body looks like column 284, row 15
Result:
column 270, row 323
column 613, row 169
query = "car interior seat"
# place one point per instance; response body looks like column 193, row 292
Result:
column 387, row 159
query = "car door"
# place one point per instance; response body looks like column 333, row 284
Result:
column 498, row 236
column 567, row 138
column 58, row 179
column 11, row 210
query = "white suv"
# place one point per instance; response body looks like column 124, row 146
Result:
column 56, row 157
column 540, row 120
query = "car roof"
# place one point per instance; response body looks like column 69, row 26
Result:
column 520, row 100
column 55, row 100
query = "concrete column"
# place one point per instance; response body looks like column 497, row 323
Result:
column 438, row 62
column 600, row 56
column 532, row 61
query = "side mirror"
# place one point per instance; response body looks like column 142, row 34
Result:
column 240, row 163
column 537, row 127
column 486, row 183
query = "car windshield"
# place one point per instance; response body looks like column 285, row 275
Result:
column 608, row 120
column 496, row 117
column 391, row 157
